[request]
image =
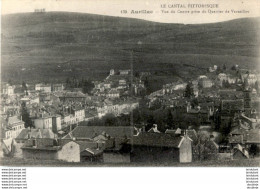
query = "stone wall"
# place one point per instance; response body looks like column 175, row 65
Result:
column 70, row 152
column 185, row 151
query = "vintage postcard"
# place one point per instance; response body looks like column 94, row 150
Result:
column 166, row 83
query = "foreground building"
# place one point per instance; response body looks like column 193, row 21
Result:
column 51, row 149
column 160, row 147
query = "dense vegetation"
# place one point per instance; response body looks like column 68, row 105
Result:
column 52, row 46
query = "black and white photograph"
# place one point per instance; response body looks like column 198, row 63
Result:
column 114, row 83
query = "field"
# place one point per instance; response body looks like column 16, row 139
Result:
column 49, row 47
column 48, row 163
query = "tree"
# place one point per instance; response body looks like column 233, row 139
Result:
column 194, row 102
column 254, row 150
column 137, row 75
column 10, row 82
column 146, row 85
column 219, row 70
column 24, row 86
column 169, row 119
column 87, row 86
column 225, row 127
column 150, row 120
column 224, row 67
column 234, row 68
column 25, row 116
column 110, row 120
column 257, row 86
column 198, row 146
column 159, row 117
column 136, row 116
column 189, row 91
column 156, row 104
column 225, row 83
column 245, row 84
column 68, row 83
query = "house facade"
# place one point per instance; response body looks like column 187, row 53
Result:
column 51, row 149
column 11, row 128
column 43, row 87
column 160, row 147
column 43, row 122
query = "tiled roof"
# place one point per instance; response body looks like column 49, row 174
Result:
column 70, row 94
column 256, row 105
column 35, row 133
column 253, row 136
column 46, row 144
column 242, row 150
column 3, row 121
column 245, row 136
column 113, row 91
column 237, row 139
column 86, row 144
column 237, row 131
column 118, row 77
column 14, row 120
column 230, row 94
column 170, row 131
column 94, row 151
column 233, row 104
column 57, row 85
column 157, row 140
column 88, row 132
column 2, row 132
column 211, row 144
column 90, row 114
column 77, row 108
column 192, row 134
column 178, row 131
column 41, row 143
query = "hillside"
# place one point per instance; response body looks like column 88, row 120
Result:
column 52, row 46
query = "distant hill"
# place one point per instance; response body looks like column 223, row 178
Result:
column 54, row 45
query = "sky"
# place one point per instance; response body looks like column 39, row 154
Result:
column 249, row 8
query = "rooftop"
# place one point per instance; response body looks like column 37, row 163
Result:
column 158, row 140
column 89, row 132
column 35, row 133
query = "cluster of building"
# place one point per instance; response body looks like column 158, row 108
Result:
column 234, row 107
column 119, row 84
column 48, row 110
column 54, row 115
column 101, row 144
